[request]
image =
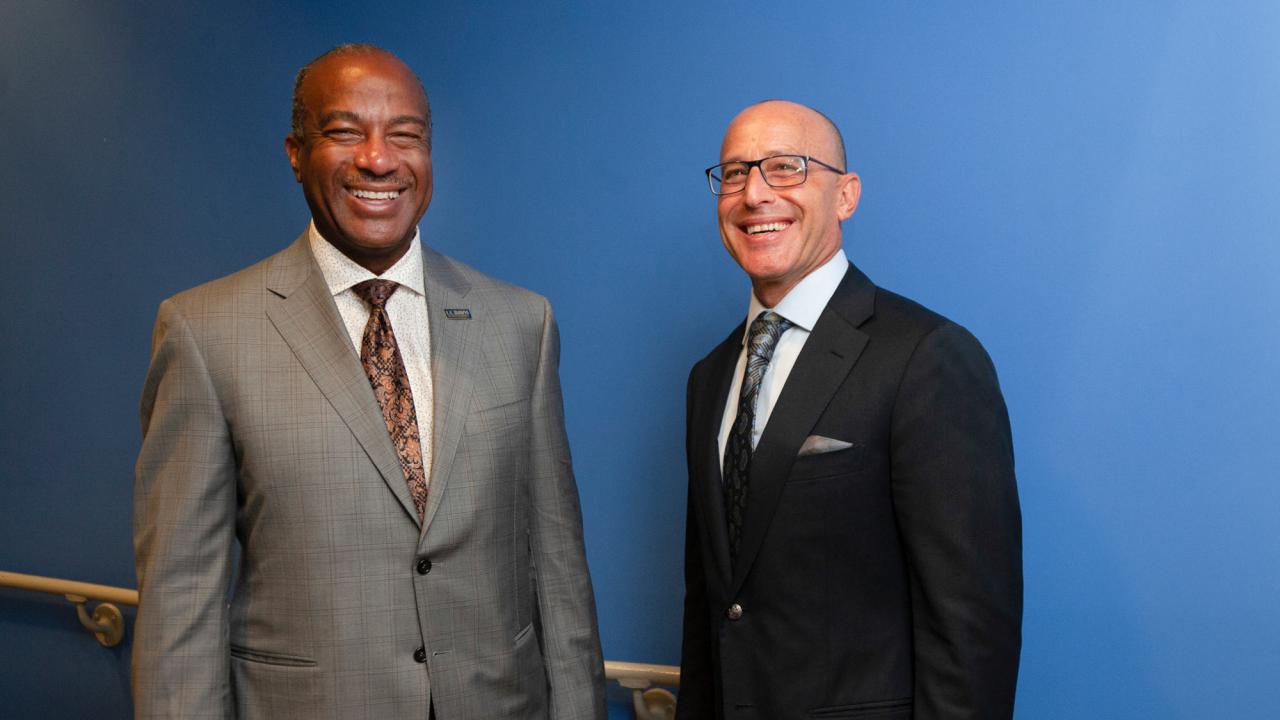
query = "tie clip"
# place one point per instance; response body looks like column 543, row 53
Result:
column 458, row 313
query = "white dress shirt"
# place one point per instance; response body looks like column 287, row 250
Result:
column 406, row 309
column 802, row 306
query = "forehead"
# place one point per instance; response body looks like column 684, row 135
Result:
column 775, row 128
column 363, row 82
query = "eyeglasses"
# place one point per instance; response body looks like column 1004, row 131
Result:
column 778, row 171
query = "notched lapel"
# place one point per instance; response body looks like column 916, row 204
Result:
column 454, row 345
column 305, row 315
column 717, row 376
column 826, row 360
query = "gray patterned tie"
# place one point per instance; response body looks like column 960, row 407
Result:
column 763, row 338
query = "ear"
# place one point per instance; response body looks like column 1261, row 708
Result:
column 850, row 189
column 291, row 148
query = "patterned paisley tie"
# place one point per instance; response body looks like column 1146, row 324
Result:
column 380, row 356
column 763, row 338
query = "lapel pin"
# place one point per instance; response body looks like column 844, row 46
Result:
column 458, row 313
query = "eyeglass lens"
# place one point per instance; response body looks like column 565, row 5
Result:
column 778, row 171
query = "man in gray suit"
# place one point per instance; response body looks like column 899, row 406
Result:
column 373, row 434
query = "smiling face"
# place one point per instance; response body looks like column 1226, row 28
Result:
column 780, row 235
column 364, row 160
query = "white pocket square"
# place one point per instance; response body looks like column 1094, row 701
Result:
column 817, row 445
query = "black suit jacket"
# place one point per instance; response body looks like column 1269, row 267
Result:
column 879, row 581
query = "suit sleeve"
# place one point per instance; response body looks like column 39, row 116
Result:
column 571, row 642
column 184, row 516
column 956, row 501
column 696, row 691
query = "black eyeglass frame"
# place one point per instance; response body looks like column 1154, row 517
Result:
column 711, row 181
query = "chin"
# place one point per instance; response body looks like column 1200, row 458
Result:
column 380, row 244
column 764, row 269
column 376, row 241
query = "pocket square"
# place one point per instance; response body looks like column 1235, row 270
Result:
column 817, row 445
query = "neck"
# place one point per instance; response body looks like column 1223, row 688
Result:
column 770, row 294
column 377, row 264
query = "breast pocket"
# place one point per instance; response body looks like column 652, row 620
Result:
column 825, row 466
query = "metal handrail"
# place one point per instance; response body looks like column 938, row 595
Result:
column 649, row 674
column 55, row 586
column 107, row 624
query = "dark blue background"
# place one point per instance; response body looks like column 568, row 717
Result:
column 1091, row 187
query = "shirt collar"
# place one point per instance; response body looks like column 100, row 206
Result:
column 805, row 302
column 341, row 272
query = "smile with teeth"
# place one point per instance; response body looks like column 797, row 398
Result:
column 374, row 194
column 767, row 227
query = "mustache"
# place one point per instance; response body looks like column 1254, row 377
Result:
column 391, row 178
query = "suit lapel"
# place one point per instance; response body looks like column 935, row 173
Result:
column 306, row 317
column 454, row 345
column 826, row 360
column 708, row 490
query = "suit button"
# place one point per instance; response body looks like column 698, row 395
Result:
column 420, row 655
column 424, row 566
column 734, row 612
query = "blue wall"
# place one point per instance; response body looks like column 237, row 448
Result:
column 1091, row 188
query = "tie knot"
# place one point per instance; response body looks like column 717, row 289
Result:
column 375, row 292
column 765, row 331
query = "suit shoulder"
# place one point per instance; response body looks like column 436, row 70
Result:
column 496, row 295
column 903, row 312
column 915, row 328
column 902, row 315
column 226, row 291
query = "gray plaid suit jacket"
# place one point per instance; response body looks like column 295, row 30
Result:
column 266, row 466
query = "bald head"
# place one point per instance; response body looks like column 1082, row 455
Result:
column 819, row 128
column 779, row 235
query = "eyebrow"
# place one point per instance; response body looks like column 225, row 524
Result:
column 407, row 120
column 351, row 117
column 337, row 115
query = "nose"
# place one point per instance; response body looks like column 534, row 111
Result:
column 757, row 191
column 376, row 156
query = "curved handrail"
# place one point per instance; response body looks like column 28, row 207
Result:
column 636, row 676
column 55, row 586
column 106, row 623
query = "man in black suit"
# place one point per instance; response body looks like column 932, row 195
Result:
column 853, row 546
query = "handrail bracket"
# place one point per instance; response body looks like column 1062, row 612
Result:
column 106, row 623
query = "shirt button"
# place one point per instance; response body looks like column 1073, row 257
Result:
column 734, row 612
column 424, row 566
column 420, row 655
